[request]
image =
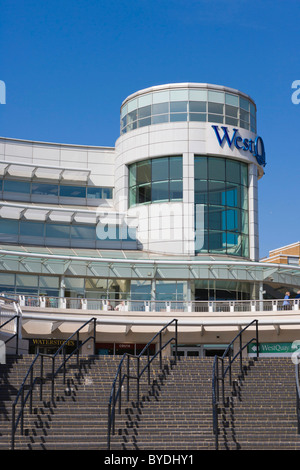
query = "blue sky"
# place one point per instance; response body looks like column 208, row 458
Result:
column 68, row 65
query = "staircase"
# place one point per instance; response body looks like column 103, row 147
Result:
column 261, row 414
column 174, row 413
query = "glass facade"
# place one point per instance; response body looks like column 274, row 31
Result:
column 221, row 206
column 199, row 104
column 34, row 191
column 155, row 180
column 66, row 235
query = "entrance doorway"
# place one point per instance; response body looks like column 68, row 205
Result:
column 200, row 350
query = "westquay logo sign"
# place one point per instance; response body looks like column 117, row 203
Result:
column 256, row 147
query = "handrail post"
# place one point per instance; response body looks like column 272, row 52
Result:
column 41, row 377
column 31, row 389
column 138, row 379
column 128, row 377
column 120, row 389
column 176, row 340
column 160, row 356
column 241, row 358
column 52, row 378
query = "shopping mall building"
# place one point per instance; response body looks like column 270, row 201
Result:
column 165, row 222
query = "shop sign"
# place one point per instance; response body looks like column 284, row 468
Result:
column 255, row 147
column 272, row 348
column 50, row 342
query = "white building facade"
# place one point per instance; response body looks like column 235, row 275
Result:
column 167, row 220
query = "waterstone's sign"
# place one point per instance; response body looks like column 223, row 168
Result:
column 256, row 147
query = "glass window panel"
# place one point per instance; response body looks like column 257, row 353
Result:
column 26, row 280
column 197, row 117
column 178, row 117
column 216, row 218
column 131, row 126
column 161, row 97
column 244, row 103
column 94, row 193
column 107, row 193
column 160, row 119
column 244, row 197
column 9, row 226
column 231, row 111
column 252, row 109
column 201, row 192
column 143, row 172
column 198, row 95
column 244, row 174
column 175, row 190
column 232, row 219
column 244, row 116
column 215, row 108
column 216, row 169
column 123, row 110
column 160, row 169
column 160, row 191
column 179, row 95
column 233, row 171
column 217, row 193
column 231, row 121
column 132, row 175
column 244, row 222
column 124, row 121
column 132, row 196
column 144, row 112
column 7, row 279
column 245, row 246
column 144, row 194
column 144, row 122
column 216, row 96
column 160, row 108
column 197, row 106
column 233, row 100
column 217, row 242
column 83, row 232
column 45, row 189
column 132, row 116
column 232, row 195
column 72, row 191
column 34, row 229
column 50, row 282
column 215, row 118
column 244, row 125
column 17, row 186
column 175, row 168
column 200, row 169
column 57, row 231
column 178, row 107
column 131, row 105
column 145, row 100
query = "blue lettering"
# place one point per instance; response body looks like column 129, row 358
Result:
column 225, row 135
column 238, row 139
column 259, row 145
column 246, row 144
column 253, row 146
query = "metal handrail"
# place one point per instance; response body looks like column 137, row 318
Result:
column 297, row 377
column 220, row 376
column 39, row 379
column 116, row 390
column 15, row 335
column 17, row 316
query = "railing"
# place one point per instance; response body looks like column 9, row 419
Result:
column 15, row 320
column 116, row 391
column 297, row 375
column 33, row 378
column 202, row 306
column 220, row 371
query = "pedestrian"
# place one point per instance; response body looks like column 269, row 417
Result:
column 286, row 302
column 120, row 306
column 298, row 295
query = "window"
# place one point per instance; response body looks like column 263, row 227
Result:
column 158, row 179
column 181, row 105
column 221, row 206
